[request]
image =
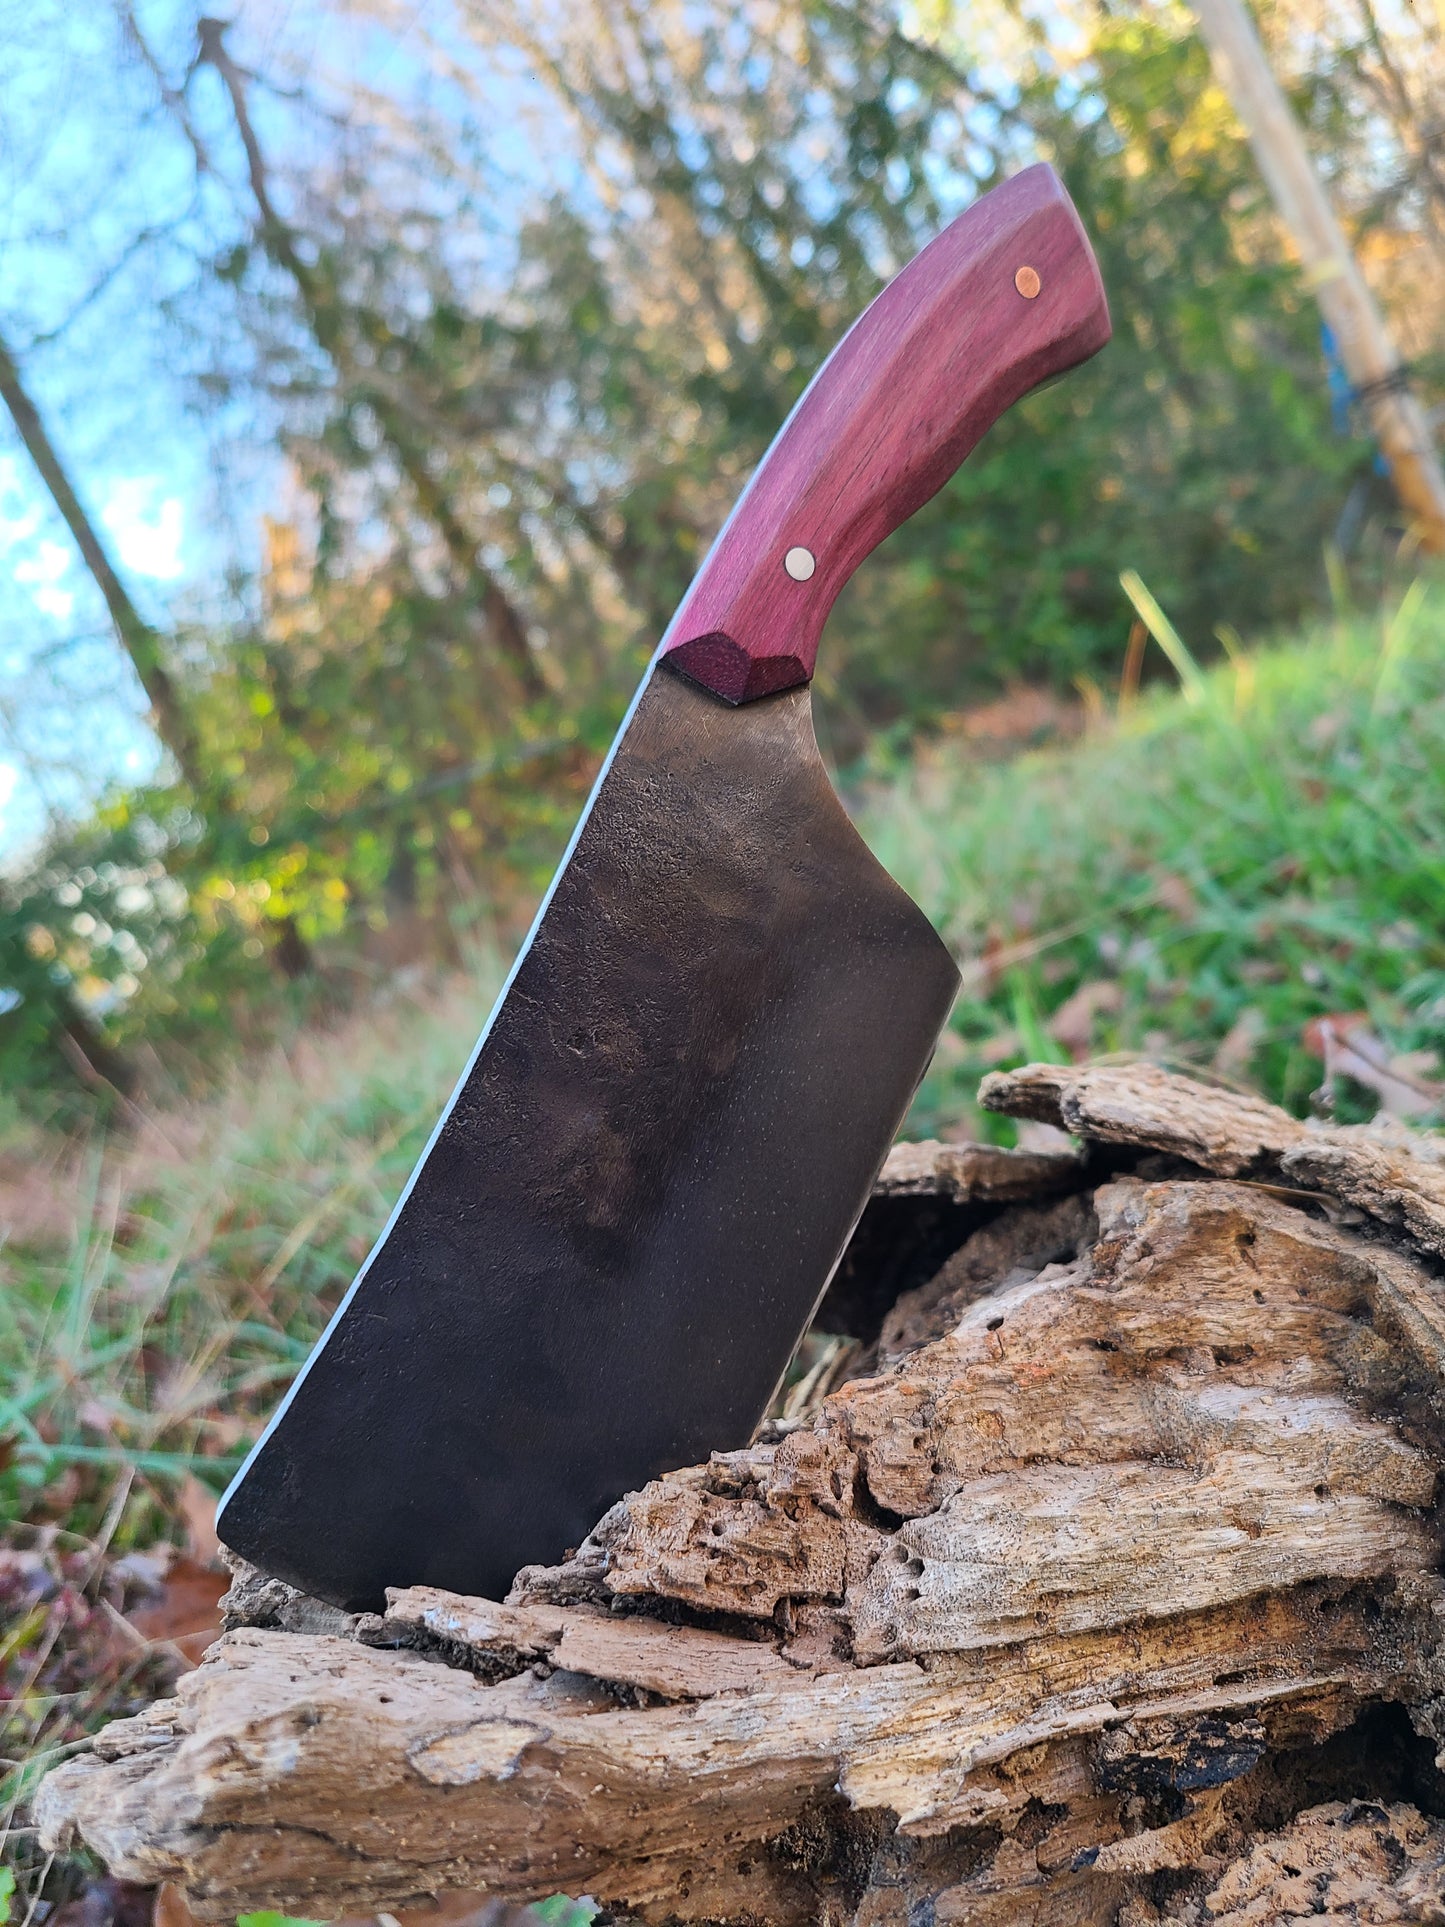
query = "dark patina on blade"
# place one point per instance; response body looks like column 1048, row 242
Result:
column 642, row 1184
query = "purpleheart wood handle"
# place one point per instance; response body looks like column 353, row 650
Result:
column 1008, row 295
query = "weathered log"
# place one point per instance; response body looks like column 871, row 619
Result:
column 1105, row 1590
column 1395, row 1176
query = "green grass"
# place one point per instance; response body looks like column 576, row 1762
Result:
column 203, row 1253
column 1213, row 870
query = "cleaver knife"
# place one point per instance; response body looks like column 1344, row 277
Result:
column 658, row 1150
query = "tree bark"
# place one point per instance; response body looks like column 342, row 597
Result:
column 1103, row 1588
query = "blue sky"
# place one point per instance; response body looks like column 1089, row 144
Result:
column 47, row 601
column 106, row 298
column 107, row 231
column 100, row 223
column 105, row 228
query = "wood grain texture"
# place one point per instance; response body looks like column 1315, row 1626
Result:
column 674, row 1662
column 1071, row 1614
column 1074, row 1450
column 975, row 1173
column 1392, row 1175
column 948, row 346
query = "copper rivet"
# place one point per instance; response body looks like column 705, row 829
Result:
column 1027, row 282
column 799, row 564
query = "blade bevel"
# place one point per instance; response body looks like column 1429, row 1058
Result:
column 642, row 1183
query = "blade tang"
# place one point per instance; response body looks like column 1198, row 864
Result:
column 1007, row 296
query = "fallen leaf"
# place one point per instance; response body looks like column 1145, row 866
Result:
column 989, row 962
column 1002, row 1045
column 1350, row 1048
column 105, row 1903
column 224, row 1431
column 1072, row 1024
column 184, row 1613
column 171, row 1909
column 1239, row 1043
column 1175, row 894
column 1325, row 728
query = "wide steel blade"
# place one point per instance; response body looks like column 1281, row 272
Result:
column 641, row 1186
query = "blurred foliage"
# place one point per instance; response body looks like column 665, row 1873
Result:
column 501, row 480
column 1202, row 881
column 159, row 1288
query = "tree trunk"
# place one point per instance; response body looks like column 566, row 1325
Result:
column 504, row 625
column 1361, row 332
column 140, row 641
column 1092, row 1578
column 145, row 647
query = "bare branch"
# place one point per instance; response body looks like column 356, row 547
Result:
column 141, row 642
column 318, row 294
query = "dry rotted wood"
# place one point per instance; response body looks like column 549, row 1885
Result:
column 1394, row 1176
column 1119, row 1561
column 1356, row 1861
column 975, row 1173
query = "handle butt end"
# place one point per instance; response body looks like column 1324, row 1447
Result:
column 718, row 664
